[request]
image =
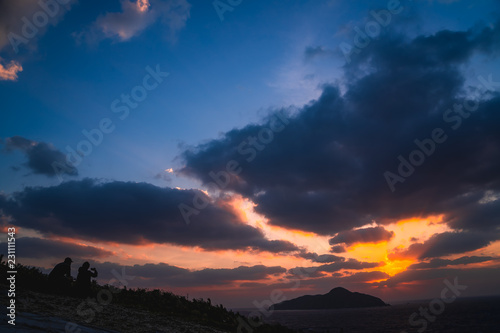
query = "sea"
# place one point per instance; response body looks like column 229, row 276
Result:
column 464, row 315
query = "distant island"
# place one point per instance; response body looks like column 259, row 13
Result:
column 337, row 298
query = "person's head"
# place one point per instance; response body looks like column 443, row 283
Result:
column 68, row 261
column 86, row 265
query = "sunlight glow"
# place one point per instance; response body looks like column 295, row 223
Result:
column 142, row 5
column 244, row 209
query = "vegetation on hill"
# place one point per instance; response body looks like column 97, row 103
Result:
column 155, row 301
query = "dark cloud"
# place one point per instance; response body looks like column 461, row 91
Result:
column 438, row 263
column 252, row 285
column 18, row 142
column 133, row 213
column 476, row 210
column 338, row 249
column 11, row 13
column 43, row 158
column 446, row 243
column 483, row 279
column 365, row 235
column 321, row 258
column 349, row 264
column 39, row 248
column 11, row 21
column 334, row 267
column 323, row 170
column 164, row 275
column 211, row 276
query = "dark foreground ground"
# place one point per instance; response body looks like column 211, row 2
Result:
column 111, row 309
column 39, row 312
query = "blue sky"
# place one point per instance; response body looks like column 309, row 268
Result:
column 223, row 74
column 322, row 178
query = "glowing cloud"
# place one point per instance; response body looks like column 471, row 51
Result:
column 9, row 72
column 135, row 17
column 143, row 5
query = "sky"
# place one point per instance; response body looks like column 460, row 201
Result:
column 239, row 150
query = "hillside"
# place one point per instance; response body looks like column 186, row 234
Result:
column 129, row 310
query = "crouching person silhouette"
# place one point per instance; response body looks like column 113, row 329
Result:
column 83, row 280
column 60, row 278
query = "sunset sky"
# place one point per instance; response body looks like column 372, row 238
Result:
column 239, row 149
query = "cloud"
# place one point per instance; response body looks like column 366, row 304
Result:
column 14, row 17
column 165, row 275
column 14, row 13
column 446, row 243
column 321, row 258
column 323, row 170
column 364, row 277
column 136, row 16
column 43, row 158
column 334, row 267
column 484, row 280
column 338, row 249
column 9, row 72
column 11, row 13
column 317, row 51
column 218, row 276
column 133, row 213
column 40, row 248
column 438, row 263
column 164, row 175
column 349, row 264
column 365, row 235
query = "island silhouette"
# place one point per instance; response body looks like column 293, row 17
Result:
column 337, row 298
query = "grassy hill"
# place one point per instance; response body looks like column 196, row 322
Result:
column 125, row 310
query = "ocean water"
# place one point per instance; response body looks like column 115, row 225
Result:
column 467, row 315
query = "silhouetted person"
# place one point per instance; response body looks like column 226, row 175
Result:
column 60, row 277
column 83, row 279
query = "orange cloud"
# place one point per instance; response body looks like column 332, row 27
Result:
column 9, row 72
column 394, row 251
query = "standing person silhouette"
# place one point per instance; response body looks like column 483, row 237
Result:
column 83, row 279
column 60, row 277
